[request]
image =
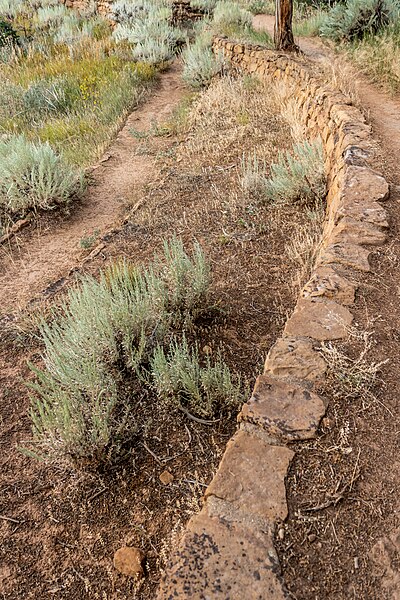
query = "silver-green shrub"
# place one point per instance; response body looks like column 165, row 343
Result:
column 299, row 175
column 105, row 332
column 253, row 180
column 128, row 12
column 207, row 6
column 44, row 98
column 230, row 13
column 10, row 8
column 33, row 176
column 73, row 30
column 200, row 63
column 358, row 18
column 52, row 15
column 149, row 29
column 202, row 391
column 156, row 49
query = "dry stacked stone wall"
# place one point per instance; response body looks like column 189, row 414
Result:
column 182, row 11
column 227, row 551
column 101, row 6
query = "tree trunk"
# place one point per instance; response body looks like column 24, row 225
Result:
column 283, row 34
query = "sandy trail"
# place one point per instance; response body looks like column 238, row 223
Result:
column 31, row 262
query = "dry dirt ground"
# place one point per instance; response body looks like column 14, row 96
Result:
column 351, row 548
column 59, row 530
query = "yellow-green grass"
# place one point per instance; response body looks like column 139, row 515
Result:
column 103, row 84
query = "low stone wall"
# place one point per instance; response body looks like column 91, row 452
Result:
column 228, row 550
column 182, row 11
column 102, row 6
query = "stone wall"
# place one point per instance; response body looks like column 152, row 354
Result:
column 182, row 11
column 101, row 6
column 228, row 550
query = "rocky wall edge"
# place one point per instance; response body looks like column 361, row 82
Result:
column 227, row 550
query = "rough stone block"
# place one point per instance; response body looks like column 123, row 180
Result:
column 362, row 183
column 349, row 255
column 342, row 114
column 221, row 560
column 286, row 411
column 357, row 156
column 251, row 477
column 353, row 231
column 327, row 283
column 366, row 212
column 294, row 358
column 320, row 320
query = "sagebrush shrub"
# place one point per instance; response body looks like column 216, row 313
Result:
column 200, row 63
column 46, row 98
column 258, row 7
column 205, row 5
column 124, row 11
column 33, row 176
column 153, row 51
column 358, row 18
column 299, row 175
column 105, row 332
column 52, row 15
column 253, row 180
column 180, row 379
column 150, row 32
column 73, row 30
column 9, row 8
column 230, row 13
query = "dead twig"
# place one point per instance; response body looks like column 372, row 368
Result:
column 11, row 520
column 197, row 419
column 16, row 228
column 334, row 499
column 97, row 494
column 156, row 458
column 195, row 482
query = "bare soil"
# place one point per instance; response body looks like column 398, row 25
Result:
column 59, row 530
column 342, row 536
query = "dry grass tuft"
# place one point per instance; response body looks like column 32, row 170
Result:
column 303, row 248
column 290, row 109
column 342, row 76
column 228, row 114
column 348, row 376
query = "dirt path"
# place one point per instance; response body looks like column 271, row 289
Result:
column 366, row 527
column 33, row 261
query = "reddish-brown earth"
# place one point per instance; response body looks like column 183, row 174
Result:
column 341, row 539
column 59, row 530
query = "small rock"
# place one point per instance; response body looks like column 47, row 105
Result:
column 207, row 350
column 128, row 561
column 356, row 562
column 166, row 477
column 312, row 537
column 327, row 423
column 281, row 533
